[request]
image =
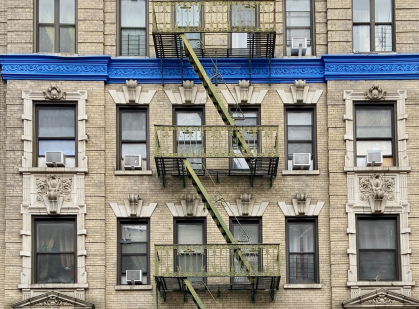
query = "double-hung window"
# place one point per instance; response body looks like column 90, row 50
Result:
column 56, row 26
column 299, row 27
column 373, row 25
column 374, row 130
column 133, row 249
column 302, row 257
column 56, row 131
column 378, row 254
column 55, row 250
column 242, row 16
column 133, row 27
column 133, row 132
column 301, row 137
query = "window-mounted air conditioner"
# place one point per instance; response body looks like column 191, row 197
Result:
column 301, row 161
column 296, row 44
column 374, row 157
column 134, row 277
column 132, row 161
column 54, row 158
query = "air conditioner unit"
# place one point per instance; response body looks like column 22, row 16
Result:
column 132, row 161
column 374, row 157
column 295, row 46
column 301, row 161
column 54, row 158
column 134, row 277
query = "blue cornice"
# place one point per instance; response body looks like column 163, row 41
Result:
column 148, row 70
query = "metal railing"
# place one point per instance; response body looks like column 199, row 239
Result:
column 215, row 16
column 180, row 261
column 214, row 141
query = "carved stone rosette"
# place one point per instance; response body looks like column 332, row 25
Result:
column 375, row 93
column 54, row 93
column 382, row 300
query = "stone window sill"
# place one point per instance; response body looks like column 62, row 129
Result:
column 134, row 173
column 381, row 283
column 53, row 286
column 54, row 170
column 144, row 287
column 299, row 172
column 303, row 286
column 379, row 169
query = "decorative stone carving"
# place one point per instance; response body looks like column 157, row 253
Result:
column 375, row 93
column 191, row 204
column 245, row 201
column 244, row 93
column 53, row 191
column 133, row 207
column 135, row 204
column 54, row 93
column 244, row 90
column 187, row 88
column 53, row 299
column 300, row 93
column 301, row 206
column 188, row 94
column 246, row 205
column 375, row 189
column 381, row 298
column 132, row 90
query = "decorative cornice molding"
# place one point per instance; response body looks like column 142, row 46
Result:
column 53, row 299
column 381, row 298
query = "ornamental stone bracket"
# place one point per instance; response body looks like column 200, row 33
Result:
column 301, row 206
column 132, row 94
column 53, row 300
column 53, row 190
column 380, row 298
column 244, row 93
column 375, row 93
column 133, row 207
column 246, row 206
column 188, row 94
column 300, row 93
column 54, row 93
column 190, row 206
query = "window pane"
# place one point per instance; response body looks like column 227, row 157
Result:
column 298, row 5
column 299, row 118
column 46, row 11
column 134, row 263
column 55, row 237
column 55, row 268
column 383, row 11
column 46, row 39
column 190, row 233
column 300, row 133
column 301, row 268
column 134, row 248
column 187, row 16
column 361, row 11
column 377, row 234
column 383, row 38
column 377, row 263
column 56, row 122
column 361, row 38
column 363, row 146
column 373, row 123
column 133, row 13
column 135, row 232
column 247, row 233
column 68, row 147
column 133, row 42
column 67, row 12
column 133, row 126
column 189, row 118
column 239, row 40
column 301, row 237
column 134, row 149
column 298, row 19
column 250, row 118
column 299, row 148
column 243, row 16
column 68, row 40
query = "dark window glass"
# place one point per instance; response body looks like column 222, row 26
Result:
column 133, row 27
column 374, row 131
column 57, row 26
column 300, row 134
column 55, row 247
column 373, row 25
column 56, row 131
column 298, row 25
column 133, row 249
column 377, row 249
column 302, row 251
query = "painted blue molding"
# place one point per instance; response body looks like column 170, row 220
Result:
column 148, row 70
column 49, row 67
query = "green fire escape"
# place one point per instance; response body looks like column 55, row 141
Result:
column 255, row 146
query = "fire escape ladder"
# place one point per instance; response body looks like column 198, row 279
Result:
column 195, row 297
